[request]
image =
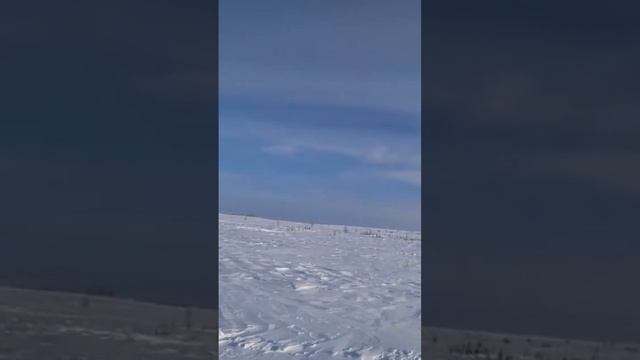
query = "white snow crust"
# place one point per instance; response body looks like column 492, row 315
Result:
column 300, row 291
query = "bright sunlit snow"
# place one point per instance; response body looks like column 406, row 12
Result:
column 297, row 291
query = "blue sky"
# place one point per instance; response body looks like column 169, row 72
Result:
column 320, row 111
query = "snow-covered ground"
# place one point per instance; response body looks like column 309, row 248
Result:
column 287, row 291
column 296, row 291
column 39, row 325
column 450, row 344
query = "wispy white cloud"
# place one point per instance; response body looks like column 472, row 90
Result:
column 372, row 154
column 391, row 156
column 364, row 54
column 412, row 177
column 402, row 166
column 340, row 80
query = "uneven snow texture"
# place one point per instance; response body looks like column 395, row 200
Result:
column 42, row 325
column 449, row 344
column 301, row 291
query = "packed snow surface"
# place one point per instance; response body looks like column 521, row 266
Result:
column 456, row 344
column 302, row 291
column 42, row 325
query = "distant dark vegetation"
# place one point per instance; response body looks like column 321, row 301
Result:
column 100, row 291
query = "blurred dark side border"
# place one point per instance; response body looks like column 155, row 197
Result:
column 530, row 154
column 109, row 148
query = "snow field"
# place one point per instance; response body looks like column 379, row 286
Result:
column 298, row 291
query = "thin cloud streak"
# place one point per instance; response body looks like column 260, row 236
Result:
column 412, row 177
column 393, row 163
column 396, row 94
column 317, row 91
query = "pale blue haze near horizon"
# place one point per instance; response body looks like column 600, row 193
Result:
column 320, row 111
